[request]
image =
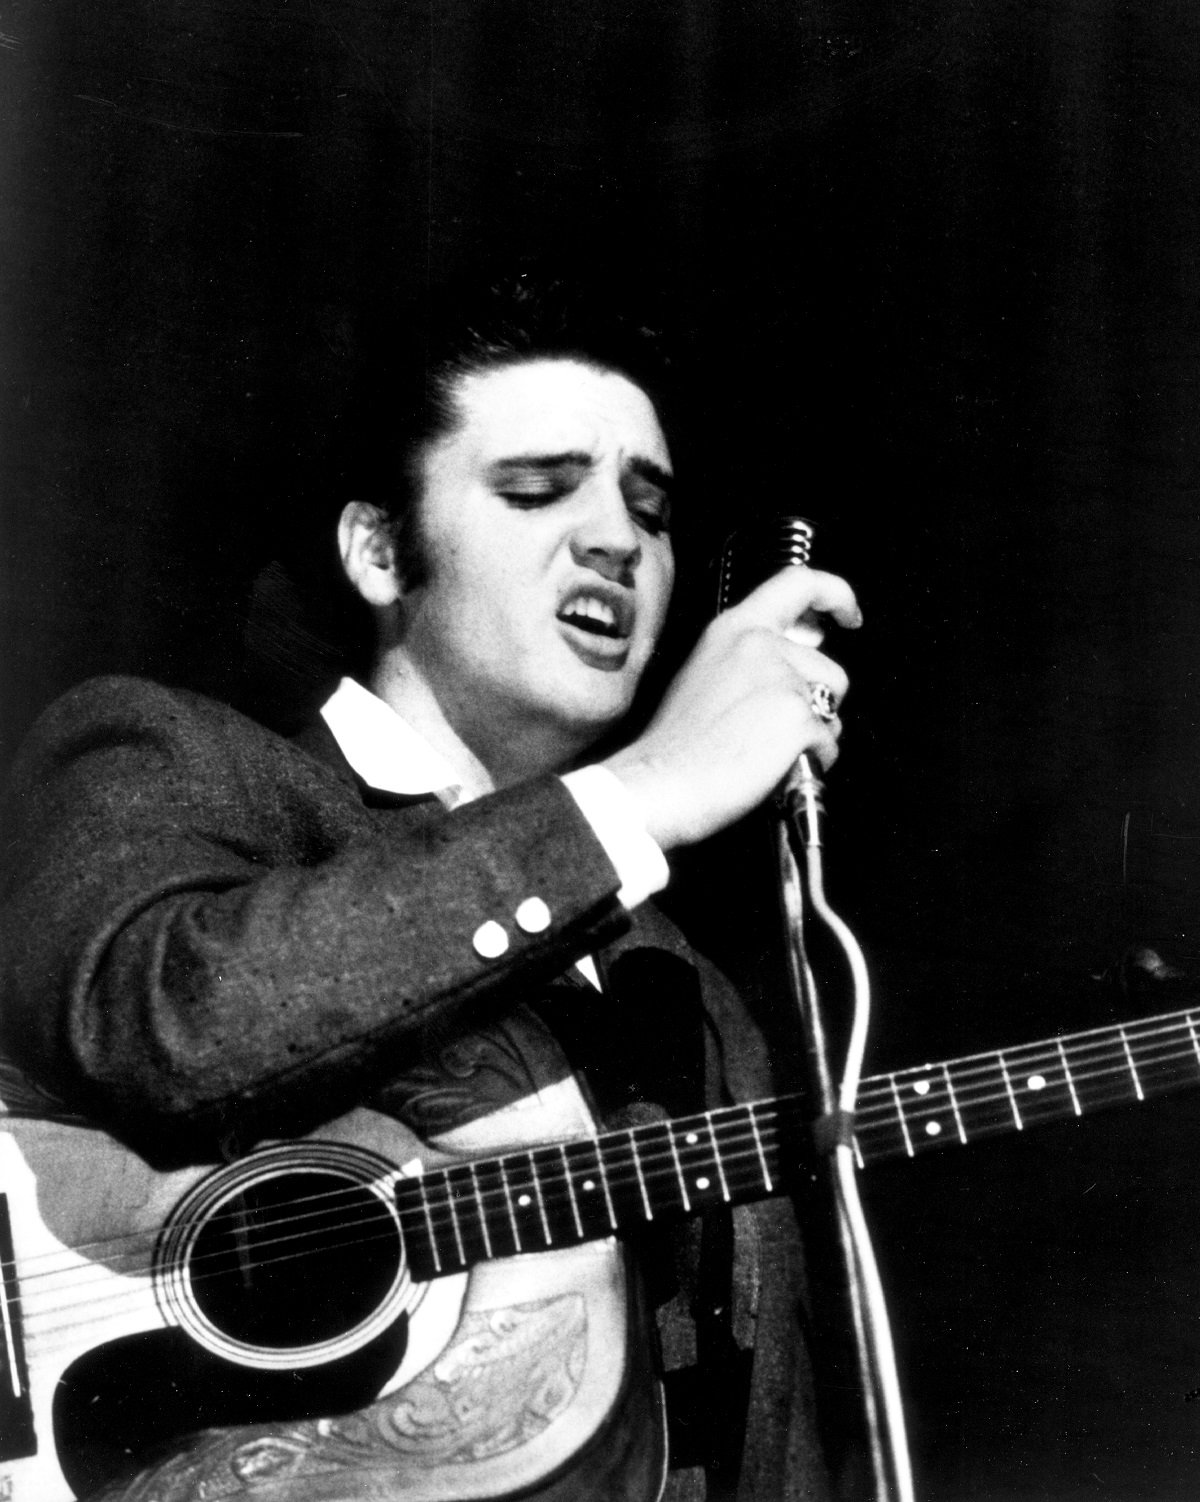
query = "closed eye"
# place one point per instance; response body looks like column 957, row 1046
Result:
column 538, row 479
column 647, row 491
column 649, row 506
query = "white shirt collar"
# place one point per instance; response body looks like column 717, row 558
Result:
column 385, row 751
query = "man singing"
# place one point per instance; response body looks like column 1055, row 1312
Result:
column 422, row 925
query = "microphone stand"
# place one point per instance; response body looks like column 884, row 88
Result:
column 798, row 827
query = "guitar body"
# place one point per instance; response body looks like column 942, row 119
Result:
column 277, row 1291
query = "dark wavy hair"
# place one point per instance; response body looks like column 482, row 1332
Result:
column 305, row 625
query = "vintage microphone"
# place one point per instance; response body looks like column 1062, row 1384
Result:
column 748, row 558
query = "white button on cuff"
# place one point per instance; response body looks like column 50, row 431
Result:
column 490, row 940
column 533, row 916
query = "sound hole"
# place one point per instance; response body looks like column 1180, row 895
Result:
column 294, row 1260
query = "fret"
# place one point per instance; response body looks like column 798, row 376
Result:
column 683, row 1189
column 567, row 1179
column 958, row 1121
column 768, row 1183
column 480, row 1211
column 1191, row 1026
column 908, row 1144
column 716, row 1153
column 590, row 1187
column 1062, row 1053
column 510, row 1206
column 418, row 1184
column 541, row 1202
column 1012, row 1099
column 635, row 1158
column 1137, row 1084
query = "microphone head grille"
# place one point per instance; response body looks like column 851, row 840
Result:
column 752, row 554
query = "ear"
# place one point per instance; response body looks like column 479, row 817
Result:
column 368, row 553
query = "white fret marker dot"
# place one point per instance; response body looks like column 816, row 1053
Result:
column 702, row 1183
column 589, row 1183
column 691, row 1139
column 933, row 1128
column 523, row 1200
column 922, row 1087
column 1036, row 1082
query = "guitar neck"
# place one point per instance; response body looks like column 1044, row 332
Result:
column 984, row 1094
column 557, row 1195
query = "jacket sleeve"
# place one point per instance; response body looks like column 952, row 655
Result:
column 206, row 932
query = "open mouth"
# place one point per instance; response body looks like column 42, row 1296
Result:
column 587, row 611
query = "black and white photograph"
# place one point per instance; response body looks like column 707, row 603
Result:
column 600, row 742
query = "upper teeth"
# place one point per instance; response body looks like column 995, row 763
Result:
column 593, row 609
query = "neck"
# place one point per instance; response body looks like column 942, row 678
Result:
column 484, row 758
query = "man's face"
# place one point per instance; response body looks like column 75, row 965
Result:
column 544, row 522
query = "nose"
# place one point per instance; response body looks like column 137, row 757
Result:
column 605, row 537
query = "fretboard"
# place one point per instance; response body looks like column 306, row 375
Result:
column 552, row 1196
column 959, row 1100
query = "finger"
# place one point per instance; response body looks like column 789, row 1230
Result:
column 795, row 592
column 807, row 632
column 825, row 751
column 814, row 667
column 825, row 748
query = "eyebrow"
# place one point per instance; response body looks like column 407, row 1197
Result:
column 644, row 469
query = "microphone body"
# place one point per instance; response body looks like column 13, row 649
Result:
column 749, row 557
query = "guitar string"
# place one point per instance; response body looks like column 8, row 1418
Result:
column 1028, row 1061
column 648, row 1163
column 490, row 1203
column 42, row 1337
column 39, row 1339
column 42, row 1334
column 656, row 1171
column 1019, row 1058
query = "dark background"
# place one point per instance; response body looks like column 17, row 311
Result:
column 936, row 265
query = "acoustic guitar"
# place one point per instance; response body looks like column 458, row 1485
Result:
column 447, row 1262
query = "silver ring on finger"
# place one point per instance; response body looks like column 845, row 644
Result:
column 823, row 702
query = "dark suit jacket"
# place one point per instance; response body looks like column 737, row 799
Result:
column 211, row 935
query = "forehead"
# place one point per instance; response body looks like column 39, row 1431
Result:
column 557, row 406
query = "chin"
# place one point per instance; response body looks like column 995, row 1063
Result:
column 595, row 718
